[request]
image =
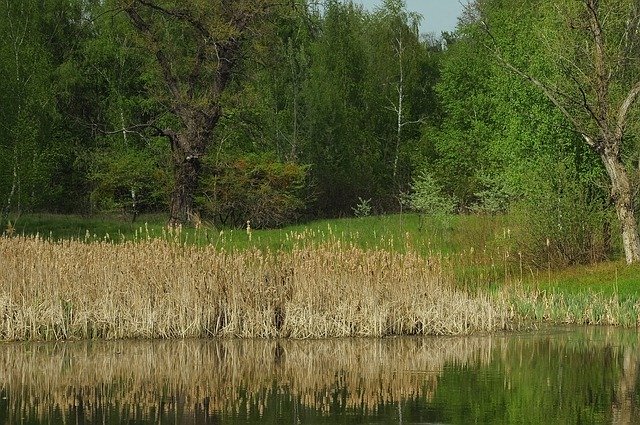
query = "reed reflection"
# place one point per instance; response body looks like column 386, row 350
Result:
column 207, row 381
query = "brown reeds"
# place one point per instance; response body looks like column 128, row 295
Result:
column 158, row 288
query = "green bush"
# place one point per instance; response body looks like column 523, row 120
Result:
column 256, row 189
column 428, row 199
column 563, row 219
column 427, row 196
column 129, row 181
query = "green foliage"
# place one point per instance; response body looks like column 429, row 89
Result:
column 461, row 139
column 255, row 189
column 564, row 219
column 495, row 198
column 36, row 144
column 129, row 180
column 362, row 208
column 427, row 197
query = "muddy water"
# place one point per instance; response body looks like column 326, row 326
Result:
column 560, row 375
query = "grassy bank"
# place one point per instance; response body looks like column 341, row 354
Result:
column 374, row 276
column 458, row 234
column 599, row 294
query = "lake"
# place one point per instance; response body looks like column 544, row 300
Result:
column 558, row 375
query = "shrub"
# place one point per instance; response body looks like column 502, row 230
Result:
column 130, row 181
column 563, row 219
column 427, row 198
column 494, row 198
column 258, row 189
column 362, row 208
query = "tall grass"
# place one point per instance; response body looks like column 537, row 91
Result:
column 158, row 288
column 582, row 308
column 372, row 276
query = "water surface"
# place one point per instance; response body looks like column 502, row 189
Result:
column 560, row 375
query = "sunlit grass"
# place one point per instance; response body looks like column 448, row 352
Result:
column 426, row 235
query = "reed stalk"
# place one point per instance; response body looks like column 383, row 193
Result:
column 155, row 288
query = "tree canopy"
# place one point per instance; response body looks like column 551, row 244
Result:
column 196, row 107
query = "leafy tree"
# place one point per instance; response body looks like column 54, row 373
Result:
column 197, row 47
column 591, row 79
column 36, row 139
column 460, row 140
column 123, row 162
column 342, row 150
column 395, row 73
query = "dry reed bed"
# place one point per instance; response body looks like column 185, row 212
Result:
column 235, row 377
column 161, row 289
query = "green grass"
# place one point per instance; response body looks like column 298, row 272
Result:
column 606, row 279
column 462, row 234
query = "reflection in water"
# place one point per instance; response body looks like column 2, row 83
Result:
column 584, row 375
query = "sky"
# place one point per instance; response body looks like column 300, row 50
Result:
column 437, row 15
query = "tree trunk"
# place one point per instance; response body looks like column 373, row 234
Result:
column 621, row 194
column 186, row 177
column 187, row 149
column 186, row 174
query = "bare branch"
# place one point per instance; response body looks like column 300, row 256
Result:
column 586, row 105
column 624, row 109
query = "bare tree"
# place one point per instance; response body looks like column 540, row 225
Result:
column 196, row 47
column 595, row 51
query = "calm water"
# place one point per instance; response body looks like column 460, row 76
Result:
column 558, row 376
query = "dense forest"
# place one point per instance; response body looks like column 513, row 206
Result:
column 274, row 111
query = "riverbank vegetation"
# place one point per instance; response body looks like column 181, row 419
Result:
column 375, row 276
column 506, row 167
column 162, row 289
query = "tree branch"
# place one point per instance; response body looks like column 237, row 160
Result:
column 593, row 143
column 134, row 130
column 180, row 14
column 143, row 27
column 624, row 109
column 602, row 76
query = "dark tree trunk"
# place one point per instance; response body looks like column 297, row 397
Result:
column 621, row 193
column 186, row 175
column 187, row 150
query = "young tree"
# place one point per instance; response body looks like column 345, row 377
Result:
column 196, row 46
column 595, row 83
